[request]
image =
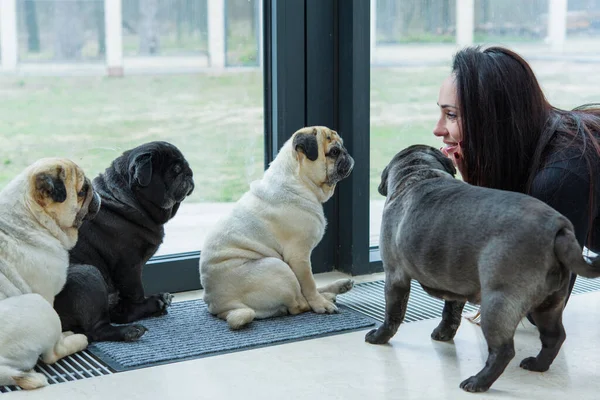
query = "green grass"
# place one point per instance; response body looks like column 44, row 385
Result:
column 403, row 112
column 216, row 119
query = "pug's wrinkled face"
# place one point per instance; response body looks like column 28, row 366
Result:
column 322, row 156
column 408, row 160
column 160, row 174
column 62, row 190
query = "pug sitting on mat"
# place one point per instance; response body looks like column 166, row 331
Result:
column 141, row 190
column 255, row 263
column 509, row 252
column 40, row 214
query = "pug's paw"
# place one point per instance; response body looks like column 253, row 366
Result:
column 346, row 286
column 443, row 333
column 163, row 301
column 134, row 332
column 377, row 336
column 533, row 364
column 474, row 385
column 321, row 305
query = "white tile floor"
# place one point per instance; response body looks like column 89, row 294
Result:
column 412, row 366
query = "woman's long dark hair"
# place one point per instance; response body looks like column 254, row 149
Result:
column 508, row 126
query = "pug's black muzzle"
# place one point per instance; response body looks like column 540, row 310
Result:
column 345, row 166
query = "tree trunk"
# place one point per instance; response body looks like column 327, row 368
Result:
column 179, row 11
column 33, row 31
column 201, row 21
column 485, row 5
column 149, row 43
column 390, row 18
column 445, row 16
column 68, row 30
column 100, row 27
column 430, row 14
column 408, row 12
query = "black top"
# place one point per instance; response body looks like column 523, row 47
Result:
column 564, row 184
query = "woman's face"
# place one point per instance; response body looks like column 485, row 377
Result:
column 448, row 126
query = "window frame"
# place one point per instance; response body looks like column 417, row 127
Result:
column 327, row 83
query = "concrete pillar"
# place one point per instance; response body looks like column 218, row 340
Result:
column 373, row 27
column 465, row 22
column 557, row 24
column 8, row 35
column 113, row 19
column 216, row 33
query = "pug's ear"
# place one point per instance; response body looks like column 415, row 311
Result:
column 51, row 186
column 140, row 169
column 307, row 144
column 382, row 189
column 446, row 162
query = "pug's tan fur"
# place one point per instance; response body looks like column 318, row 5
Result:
column 255, row 263
column 40, row 213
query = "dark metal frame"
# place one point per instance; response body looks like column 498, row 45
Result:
column 316, row 62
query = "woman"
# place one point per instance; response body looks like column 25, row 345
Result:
column 502, row 133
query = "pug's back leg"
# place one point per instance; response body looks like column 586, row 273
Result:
column 67, row 344
column 397, row 292
column 27, row 380
column 83, row 307
column 451, row 317
column 548, row 319
column 501, row 312
column 270, row 289
column 340, row 286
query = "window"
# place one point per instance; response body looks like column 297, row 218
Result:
column 89, row 79
column 412, row 45
column 228, row 81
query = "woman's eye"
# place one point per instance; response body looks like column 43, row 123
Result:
column 451, row 116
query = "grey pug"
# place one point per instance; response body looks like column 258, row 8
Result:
column 507, row 251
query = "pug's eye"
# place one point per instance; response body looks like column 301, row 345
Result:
column 177, row 168
column 334, row 152
column 83, row 190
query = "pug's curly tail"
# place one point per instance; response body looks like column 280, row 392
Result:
column 569, row 253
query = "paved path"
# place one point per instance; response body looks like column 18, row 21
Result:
column 186, row 232
column 416, row 54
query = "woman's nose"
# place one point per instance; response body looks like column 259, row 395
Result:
column 439, row 130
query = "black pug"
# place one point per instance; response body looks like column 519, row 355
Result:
column 141, row 190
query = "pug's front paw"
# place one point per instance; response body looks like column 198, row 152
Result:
column 321, row 305
column 163, row 301
column 378, row 336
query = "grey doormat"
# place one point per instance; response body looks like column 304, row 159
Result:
column 189, row 331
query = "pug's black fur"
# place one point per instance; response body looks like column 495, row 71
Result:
column 141, row 190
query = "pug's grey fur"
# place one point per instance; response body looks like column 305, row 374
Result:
column 507, row 251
